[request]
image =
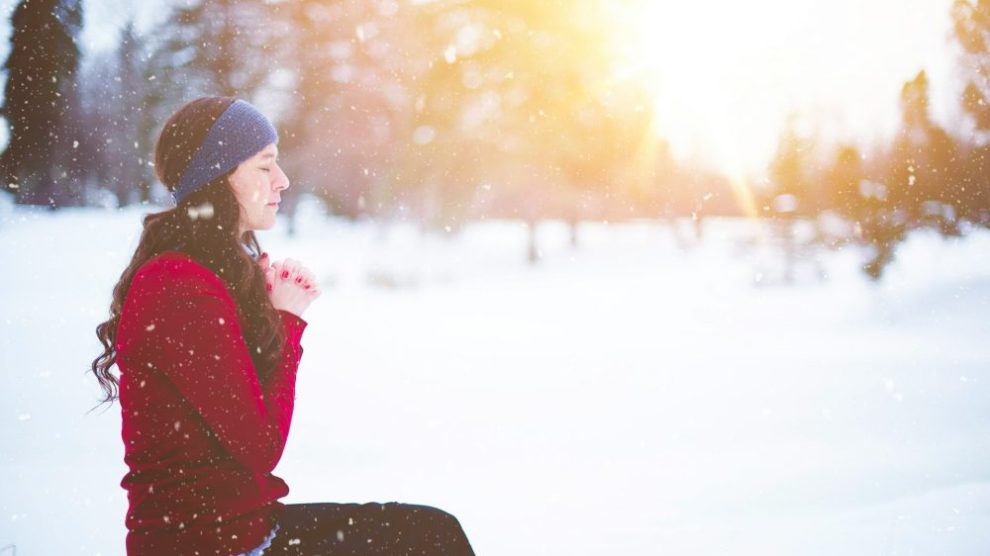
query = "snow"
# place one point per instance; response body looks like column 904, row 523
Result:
column 627, row 397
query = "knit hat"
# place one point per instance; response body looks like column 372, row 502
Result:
column 237, row 135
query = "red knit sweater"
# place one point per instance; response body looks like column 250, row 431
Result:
column 201, row 433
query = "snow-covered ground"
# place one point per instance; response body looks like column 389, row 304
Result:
column 627, row 397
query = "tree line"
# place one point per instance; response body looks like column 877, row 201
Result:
column 450, row 111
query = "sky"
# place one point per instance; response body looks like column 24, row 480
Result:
column 727, row 74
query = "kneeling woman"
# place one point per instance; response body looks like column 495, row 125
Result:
column 206, row 333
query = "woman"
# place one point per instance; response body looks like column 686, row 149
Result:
column 206, row 334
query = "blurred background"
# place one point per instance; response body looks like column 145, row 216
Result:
column 610, row 277
column 867, row 121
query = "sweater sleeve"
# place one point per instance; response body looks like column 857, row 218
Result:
column 195, row 339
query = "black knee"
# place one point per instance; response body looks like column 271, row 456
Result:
column 440, row 521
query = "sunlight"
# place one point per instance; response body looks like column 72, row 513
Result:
column 696, row 102
column 725, row 74
column 696, row 59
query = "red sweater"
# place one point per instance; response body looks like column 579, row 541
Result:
column 201, row 434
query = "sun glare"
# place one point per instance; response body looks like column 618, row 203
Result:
column 725, row 74
column 696, row 58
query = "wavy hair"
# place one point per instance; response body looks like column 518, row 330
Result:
column 205, row 226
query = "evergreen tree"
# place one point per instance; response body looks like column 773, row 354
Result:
column 497, row 104
column 843, row 182
column 792, row 192
column 971, row 29
column 41, row 103
column 347, row 100
column 121, row 96
column 99, row 85
column 136, row 125
column 923, row 167
column 972, row 33
column 216, row 47
column 921, row 186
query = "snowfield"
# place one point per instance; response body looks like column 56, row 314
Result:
column 631, row 396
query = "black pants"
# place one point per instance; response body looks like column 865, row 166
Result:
column 392, row 529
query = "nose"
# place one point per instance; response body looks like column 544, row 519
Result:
column 283, row 181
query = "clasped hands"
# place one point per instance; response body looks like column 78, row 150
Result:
column 291, row 286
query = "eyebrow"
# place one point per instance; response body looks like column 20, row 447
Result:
column 267, row 156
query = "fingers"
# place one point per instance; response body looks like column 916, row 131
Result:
column 304, row 278
column 270, row 277
column 284, row 270
column 266, row 269
column 310, row 281
column 292, row 272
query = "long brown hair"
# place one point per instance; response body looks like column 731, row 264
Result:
column 205, row 226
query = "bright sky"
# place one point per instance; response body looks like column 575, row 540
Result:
column 727, row 72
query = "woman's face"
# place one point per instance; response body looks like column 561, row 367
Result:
column 257, row 183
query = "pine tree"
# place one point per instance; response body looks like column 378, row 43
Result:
column 790, row 174
column 41, row 103
column 499, row 94
column 137, row 126
column 346, row 100
column 972, row 33
column 215, row 47
column 923, row 182
column 843, row 181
